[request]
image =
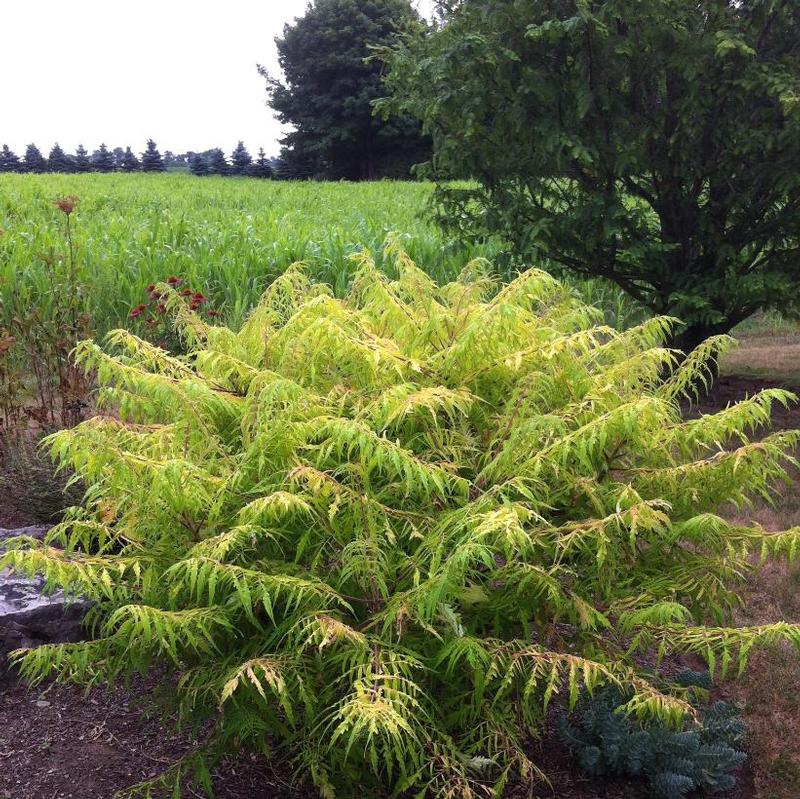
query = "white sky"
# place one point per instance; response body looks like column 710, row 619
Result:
column 180, row 72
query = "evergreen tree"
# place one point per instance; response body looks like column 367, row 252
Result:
column 130, row 163
column 260, row 168
column 198, row 165
column 58, row 160
column 9, row 160
column 34, row 161
column 102, row 160
column 151, row 158
column 119, row 155
column 280, row 169
column 217, row 165
column 169, row 159
column 329, row 88
column 81, row 161
column 240, row 160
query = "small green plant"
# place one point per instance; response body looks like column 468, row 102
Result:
column 674, row 761
column 384, row 532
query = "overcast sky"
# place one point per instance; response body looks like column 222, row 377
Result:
column 181, row 72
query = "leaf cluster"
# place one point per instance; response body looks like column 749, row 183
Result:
column 673, row 762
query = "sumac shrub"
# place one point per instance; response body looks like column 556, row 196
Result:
column 385, row 532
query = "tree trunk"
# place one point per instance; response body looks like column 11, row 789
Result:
column 692, row 337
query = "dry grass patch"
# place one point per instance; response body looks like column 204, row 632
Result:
column 766, row 354
column 768, row 690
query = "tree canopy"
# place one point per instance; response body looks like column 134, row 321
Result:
column 80, row 161
column 58, row 160
column 240, row 160
column 130, row 163
column 329, row 88
column 652, row 142
column 33, row 160
column 9, row 160
column 103, row 160
column 151, row 158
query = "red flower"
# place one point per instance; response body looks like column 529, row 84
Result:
column 212, row 312
column 174, row 281
column 186, row 293
column 135, row 312
column 151, row 288
column 162, row 308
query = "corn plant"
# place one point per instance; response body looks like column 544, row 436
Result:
column 385, row 532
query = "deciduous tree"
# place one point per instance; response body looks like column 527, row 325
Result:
column 655, row 143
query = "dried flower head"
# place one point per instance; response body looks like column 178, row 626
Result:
column 66, row 204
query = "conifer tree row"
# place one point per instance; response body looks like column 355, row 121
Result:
column 387, row 531
column 211, row 162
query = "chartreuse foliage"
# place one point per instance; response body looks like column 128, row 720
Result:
column 386, row 531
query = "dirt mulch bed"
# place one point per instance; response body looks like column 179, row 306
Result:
column 57, row 743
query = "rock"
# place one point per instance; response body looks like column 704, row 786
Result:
column 27, row 616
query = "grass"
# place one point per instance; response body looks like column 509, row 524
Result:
column 228, row 238
column 767, row 691
column 769, row 349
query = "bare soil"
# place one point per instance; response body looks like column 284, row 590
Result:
column 58, row 743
